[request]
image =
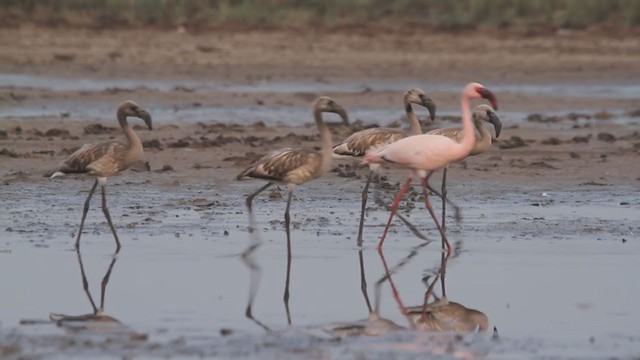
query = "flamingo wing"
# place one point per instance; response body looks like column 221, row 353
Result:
column 94, row 157
column 285, row 165
column 358, row 143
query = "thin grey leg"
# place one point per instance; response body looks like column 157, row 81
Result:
column 254, row 194
column 444, row 226
column 287, row 223
column 105, row 210
column 425, row 186
column 365, row 196
column 105, row 280
column 85, row 283
column 443, row 196
column 363, row 281
column 84, row 213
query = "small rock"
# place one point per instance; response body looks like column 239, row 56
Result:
column 634, row 113
column 202, row 203
column 9, row 153
column 574, row 155
column 578, row 116
column 3, row 134
column 97, row 129
column 603, row 115
column 226, row 331
column 541, row 165
column 152, row 144
column 275, row 194
column 64, row 57
column 207, row 48
column 606, row 137
column 182, row 143
column 552, row 141
column 140, row 166
column 512, row 143
column 539, row 118
column 166, row 167
column 114, row 55
column 57, row 132
column 581, row 139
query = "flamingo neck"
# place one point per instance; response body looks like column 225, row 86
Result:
column 415, row 128
column 469, row 134
column 327, row 144
column 133, row 141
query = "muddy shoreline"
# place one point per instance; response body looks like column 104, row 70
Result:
column 550, row 224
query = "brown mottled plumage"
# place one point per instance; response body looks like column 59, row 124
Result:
column 286, row 166
column 293, row 167
column 445, row 315
column 296, row 166
column 105, row 159
column 358, row 143
column 442, row 314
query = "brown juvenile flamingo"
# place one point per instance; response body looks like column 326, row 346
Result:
column 426, row 153
column 296, row 166
column 106, row 159
column 358, row 143
column 481, row 113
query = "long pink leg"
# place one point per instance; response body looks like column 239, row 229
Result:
column 396, row 294
column 394, row 207
column 445, row 241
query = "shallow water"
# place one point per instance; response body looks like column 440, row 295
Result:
column 598, row 90
column 92, row 111
column 555, row 278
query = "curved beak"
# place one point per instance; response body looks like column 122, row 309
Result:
column 342, row 112
column 430, row 105
column 485, row 93
column 495, row 120
column 146, row 117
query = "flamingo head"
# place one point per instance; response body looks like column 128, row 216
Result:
column 130, row 108
column 418, row 97
column 327, row 104
column 475, row 90
column 484, row 112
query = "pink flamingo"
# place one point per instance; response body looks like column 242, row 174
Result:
column 429, row 152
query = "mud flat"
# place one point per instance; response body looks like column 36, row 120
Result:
column 548, row 241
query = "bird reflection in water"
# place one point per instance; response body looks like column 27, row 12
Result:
column 291, row 167
column 442, row 314
column 97, row 320
column 255, row 271
column 374, row 324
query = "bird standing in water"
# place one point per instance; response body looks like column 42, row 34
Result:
column 105, row 159
column 358, row 143
column 426, row 153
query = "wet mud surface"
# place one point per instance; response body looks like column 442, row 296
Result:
column 547, row 247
